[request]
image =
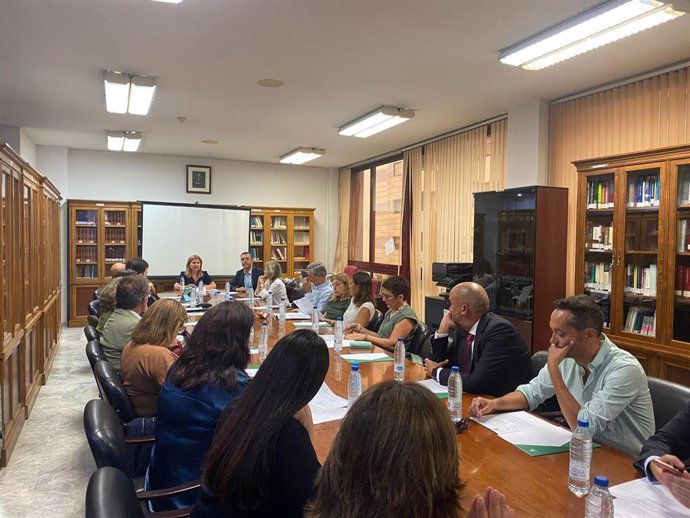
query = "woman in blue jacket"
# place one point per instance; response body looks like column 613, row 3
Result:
column 200, row 384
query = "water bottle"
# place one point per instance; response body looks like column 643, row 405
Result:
column 282, row 310
column 455, row 394
column 250, row 293
column 181, row 284
column 227, row 288
column 338, row 335
column 315, row 319
column 200, row 290
column 354, row 384
column 263, row 342
column 251, row 337
column 580, row 459
column 599, row 503
column 269, row 305
column 192, row 299
column 399, row 360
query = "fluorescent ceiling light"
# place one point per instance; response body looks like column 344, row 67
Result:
column 169, row 1
column 301, row 155
column 128, row 93
column 378, row 120
column 599, row 26
column 123, row 140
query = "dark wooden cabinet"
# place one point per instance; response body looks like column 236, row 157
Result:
column 30, row 286
column 519, row 255
column 633, row 253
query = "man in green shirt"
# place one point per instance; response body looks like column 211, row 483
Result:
column 591, row 378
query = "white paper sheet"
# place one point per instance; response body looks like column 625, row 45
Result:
column 434, row 386
column 365, row 356
column 524, row 428
column 326, row 406
column 329, row 339
column 251, row 371
column 191, row 324
column 640, row 498
column 303, row 324
column 253, row 350
column 296, row 316
column 305, row 305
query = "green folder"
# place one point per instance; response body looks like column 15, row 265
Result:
column 362, row 344
column 387, row 359
column 415, row 358
column 534, row 450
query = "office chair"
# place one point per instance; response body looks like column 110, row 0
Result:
column 668, row 399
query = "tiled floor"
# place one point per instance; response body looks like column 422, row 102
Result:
column 51, row 463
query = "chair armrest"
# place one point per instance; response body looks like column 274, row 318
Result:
column 175, row 513
column 142, row 439
column 155, row 494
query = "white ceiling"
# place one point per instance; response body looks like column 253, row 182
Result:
column 338, row 59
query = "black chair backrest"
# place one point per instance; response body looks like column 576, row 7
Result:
column 297, row 294
column 110, row 494
column 375, row 322
column 668, row 399
column 418, row 337
column 96, row 293
column 105, row 437
column 92, row 320
column 91, row 334
column 112, row 390
column 538, row 361
column 94, row 307
column 94, row 352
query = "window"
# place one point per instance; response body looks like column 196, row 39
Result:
column 376, row 217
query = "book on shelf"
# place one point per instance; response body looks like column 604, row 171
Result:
column 683, row 242
column 256, row 222
column 643, row 191
column 684, row 189
column 641, row 320
column 600, row 193
column 598, row 276
column 601, row 237
column 680, row 280
column 686, row 282
column 641, row 280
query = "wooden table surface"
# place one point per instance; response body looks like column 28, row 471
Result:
column 534, row 486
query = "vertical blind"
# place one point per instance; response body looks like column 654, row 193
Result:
column 646, row 114
column 443, row 176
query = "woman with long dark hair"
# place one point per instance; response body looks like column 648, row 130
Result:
column 200, row 385
column 262, row 462
column 372, row 470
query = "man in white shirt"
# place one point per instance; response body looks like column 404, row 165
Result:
column 316, row 284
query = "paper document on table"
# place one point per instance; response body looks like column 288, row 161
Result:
column 305, row 305
column 531, row 434
column 366, row 357
column 642, row 498
column 326, row 406
column 251, row 371
column 329, row 339
column 308, row 324
column 296, row 316
column 191, row 324
column 434, row 386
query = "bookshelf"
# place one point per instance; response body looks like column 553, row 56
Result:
column 100, row 234
column 517, row 234
column 30, row 313
column 281, row 234
column 633, row 255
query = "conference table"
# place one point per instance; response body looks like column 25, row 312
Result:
column 534, row 486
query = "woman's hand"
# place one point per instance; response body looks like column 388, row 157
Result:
column 491, row 505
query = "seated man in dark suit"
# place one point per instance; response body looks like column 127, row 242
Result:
column 492, row 356
column 671, row 444
column 248, row 274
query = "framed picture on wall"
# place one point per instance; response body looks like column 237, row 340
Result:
column 199, row 179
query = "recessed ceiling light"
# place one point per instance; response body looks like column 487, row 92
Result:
column 209, row 141
column 128, row 92
column 270, row 83
column 123, row 140
column 301, row 155
column 169, row 1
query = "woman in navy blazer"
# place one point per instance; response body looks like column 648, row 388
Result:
column 199, row 386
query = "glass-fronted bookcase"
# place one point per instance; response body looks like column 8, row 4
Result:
column 633, row 254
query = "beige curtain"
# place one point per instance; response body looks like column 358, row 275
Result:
column 444, row 174
column 646, row 114
column 341, row 256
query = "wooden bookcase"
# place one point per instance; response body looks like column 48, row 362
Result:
column 100, row 234
column 519, row 255
column 30, row 285
column 282, row 234
column 633, row 253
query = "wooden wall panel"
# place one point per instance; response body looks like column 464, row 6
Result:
column 645, row 114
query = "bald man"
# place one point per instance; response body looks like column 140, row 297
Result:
column 117, row 267
column 492, row 356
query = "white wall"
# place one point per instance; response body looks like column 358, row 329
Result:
column 27, row 149
column 10, row 135
column 102, row 175
column 527, row 144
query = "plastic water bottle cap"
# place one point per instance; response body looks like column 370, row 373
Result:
column 583, row 423
column 601, row 481
column 355, row 367
column 455, row 368
column 400, row 338
column 265, row 324
column 339, row 318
